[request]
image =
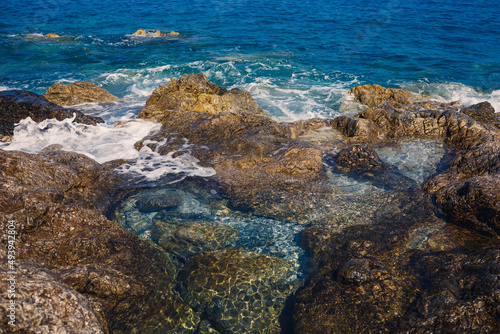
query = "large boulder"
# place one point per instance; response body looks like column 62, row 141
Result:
column 372, row 95
column 16, row 105
column 484, row 113
column 77, row 93
column 193, row 92
column 55, row 199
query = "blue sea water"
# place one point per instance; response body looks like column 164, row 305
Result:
column 297, row 58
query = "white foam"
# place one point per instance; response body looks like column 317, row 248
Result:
column 101, row 142
column 453, row 91
column 175, row 166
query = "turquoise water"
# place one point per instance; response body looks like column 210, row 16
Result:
column 297, row 58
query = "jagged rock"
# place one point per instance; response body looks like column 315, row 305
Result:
column 16, row 105
column 361, row 129
column 241, row 291
column 484, row 113
column 51, row 35
column 77, row 93
column 372, row 95
column 45, row 304
column 173, row 33
column 55, row 199
column 193, row 92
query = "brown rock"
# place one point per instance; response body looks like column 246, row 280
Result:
column 193, row 92
column 372, row 95
column 484, row 113
column 51, row 35
column 358, row 128
column 16, row 105
column 140, row 32
column 56, row 199
column 77, row 93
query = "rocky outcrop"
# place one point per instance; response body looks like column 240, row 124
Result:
column 111, row 280
column 484, row 113
column 51, row 35
column 141, row 32
column 195, row 93
column 372, row 95
column 77, row 93
column 16, row 105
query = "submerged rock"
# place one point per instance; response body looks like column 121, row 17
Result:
column 362, row 162
column 16, row 105
column 77, row 93
column 241, row 291
column 55, row 199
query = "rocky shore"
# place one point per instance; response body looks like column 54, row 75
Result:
column 404, row 255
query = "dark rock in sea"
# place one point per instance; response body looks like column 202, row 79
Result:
column 16, row 105
column 56, row 199
column 354, row 272
column 484, row 113
column 193, row 92
column 362, row 162
column 240, row 291
column 165, row 201
column 77, row 93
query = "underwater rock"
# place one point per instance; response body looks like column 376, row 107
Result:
column 372, row 95
column 45, row 304
column 77, row 93
column 51, row 35
column 240, row 291
column 164, row 201
column 362, row 162
column 484, row 113
column 379, row 277
column 188, row 237
column 193, row 92
column 16, row 105
column 56, row 198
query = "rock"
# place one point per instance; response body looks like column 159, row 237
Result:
column 484, row 113
column 186, row 238
column 45, row 304
column 140, row 32
column 164, row 201
column 56, row 199
column 354, row 272
column 51, row 35
column 16, row 105
column 77, row 93
column 375, row 277
column 173, row 33
column 361, row 129
column 372, row 95
column 241, row 291
column 362, row 162
column 193, row 92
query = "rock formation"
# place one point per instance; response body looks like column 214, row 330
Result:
column 16, row 105
column 76, row 93
column 111, row 280
column 51, row 35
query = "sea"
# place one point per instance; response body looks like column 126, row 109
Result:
column 297, row 58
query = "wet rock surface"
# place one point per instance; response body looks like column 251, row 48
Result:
column 77, row 93
column 16, row 105
column 195, row 93
column 55, row 199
